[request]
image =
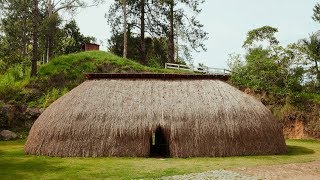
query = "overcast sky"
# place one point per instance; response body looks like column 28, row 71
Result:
column 227, row 22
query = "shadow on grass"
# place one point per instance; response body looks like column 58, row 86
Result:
column 33, row 168
column 299, row 150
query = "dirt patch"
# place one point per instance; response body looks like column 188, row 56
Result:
column 288, row 171
column 298, row 129
column 294, row 130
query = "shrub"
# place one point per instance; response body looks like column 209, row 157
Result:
column 52, row 95
column 13, row 82
column 2, row 67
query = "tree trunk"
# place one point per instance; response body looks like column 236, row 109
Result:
column 50, row 53
column 171, row 35
column 50, row 7
column 24, row 40
column 142, row 40
column 177, row 46
column 49, row 37
column 125, row 38
column 35, row 39
column 24, row 36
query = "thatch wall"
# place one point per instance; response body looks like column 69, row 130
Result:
column 117, row 118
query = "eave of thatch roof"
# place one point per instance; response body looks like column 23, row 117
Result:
column 223, row 77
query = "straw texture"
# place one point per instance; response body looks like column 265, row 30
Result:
column 117, row 118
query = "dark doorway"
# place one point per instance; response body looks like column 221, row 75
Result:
column 159, row 146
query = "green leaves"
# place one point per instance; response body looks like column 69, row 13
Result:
column 265, row 33
column 316, row 13
column 273, row 69
column 188, row 31
column 312, row 49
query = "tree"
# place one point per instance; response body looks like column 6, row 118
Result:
column 123, row 22
column 53, row 7
column 27, row 31
column 16, row 28
column 20, row 31
column 316, row 13
column 156, row 48
column 142, row 33
column 51, row 35
column 30, row 28
column 190, row 30
column 272, row 69
column 312, row 48
column 35, row 38
column 154, row 22
column 125, row 36
column 73, row 39
column 265, row 33
column 171, row 33
column 183, row 26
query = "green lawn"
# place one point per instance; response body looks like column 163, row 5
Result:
column 14, row 164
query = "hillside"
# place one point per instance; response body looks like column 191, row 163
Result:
column 22, row 98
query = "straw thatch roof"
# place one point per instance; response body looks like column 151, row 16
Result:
column 118, row 117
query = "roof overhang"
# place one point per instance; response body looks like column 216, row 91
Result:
column 93, row 76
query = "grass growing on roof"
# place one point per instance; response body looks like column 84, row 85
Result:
column 62, row 74
column 15, row 165
column 74, row 65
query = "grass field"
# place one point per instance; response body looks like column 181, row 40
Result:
column 14, row 164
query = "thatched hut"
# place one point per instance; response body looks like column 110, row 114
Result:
column 152, row 115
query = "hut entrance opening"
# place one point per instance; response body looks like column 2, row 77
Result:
column 159, row 146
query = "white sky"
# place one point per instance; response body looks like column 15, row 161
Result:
column 227, row 23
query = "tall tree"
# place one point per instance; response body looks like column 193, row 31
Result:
column 134, row 10
column 155, row 22
column 53, row 7
column 156, row 48
column 265, row 33
column 35, row 38
column 185, row 26
column 142, row 33
column 125, row 36
column 16, row 27
column 171, row 33
column 51, row 34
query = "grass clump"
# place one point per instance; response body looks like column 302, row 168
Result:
column 51, row 96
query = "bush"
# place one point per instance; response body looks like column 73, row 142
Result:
column 154, row 63
column 13, row 82
column 2, row 67
column 300, row 99
column 51, row 96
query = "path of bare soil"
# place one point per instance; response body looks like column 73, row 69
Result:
column 288, row 171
